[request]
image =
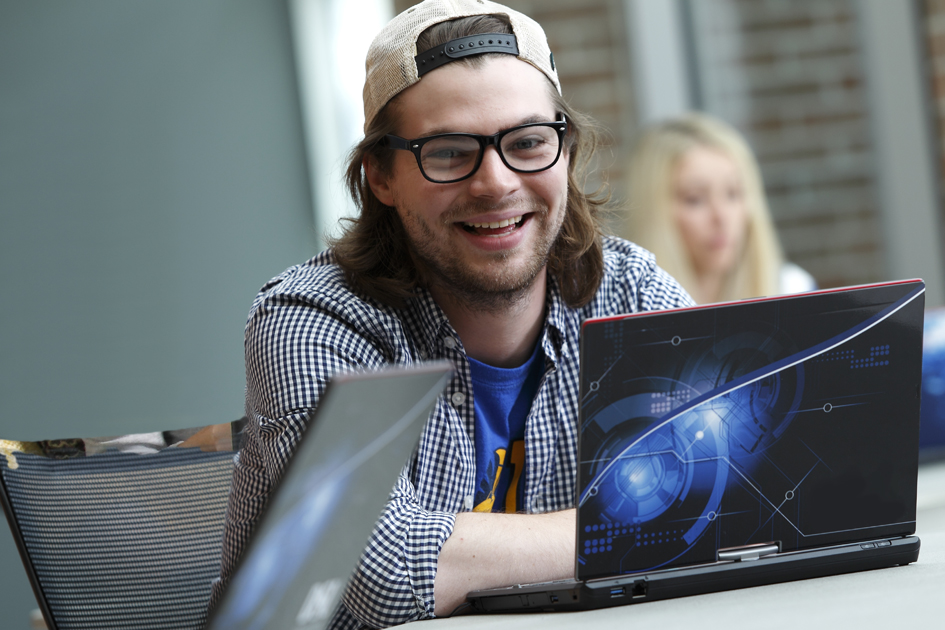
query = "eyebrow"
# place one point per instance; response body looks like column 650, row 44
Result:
column 525, row 121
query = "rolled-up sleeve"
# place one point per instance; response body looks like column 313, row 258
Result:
column 393, row 583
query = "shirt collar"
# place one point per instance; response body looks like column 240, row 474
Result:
column 432, row 323
column 555, row 331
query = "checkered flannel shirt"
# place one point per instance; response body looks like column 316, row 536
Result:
column 307, row 325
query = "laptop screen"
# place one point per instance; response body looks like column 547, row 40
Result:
column 791, row 421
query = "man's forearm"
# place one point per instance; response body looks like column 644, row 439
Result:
column 487, row 550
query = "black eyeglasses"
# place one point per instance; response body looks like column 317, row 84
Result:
column 452, row 157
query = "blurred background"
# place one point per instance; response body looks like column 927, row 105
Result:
column 161, row 159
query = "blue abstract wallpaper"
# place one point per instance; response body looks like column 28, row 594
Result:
column 792, row 421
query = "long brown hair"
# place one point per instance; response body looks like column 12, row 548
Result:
column 373, row 251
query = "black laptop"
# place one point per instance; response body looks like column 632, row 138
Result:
column 304, row 549
column 740, row 444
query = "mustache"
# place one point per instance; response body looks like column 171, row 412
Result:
column 465, row 210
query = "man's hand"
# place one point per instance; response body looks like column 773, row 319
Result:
column 487, row 550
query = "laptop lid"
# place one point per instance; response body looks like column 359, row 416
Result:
column 304, row 549
column 782, row 424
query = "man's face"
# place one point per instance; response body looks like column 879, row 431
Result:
column 447, row 224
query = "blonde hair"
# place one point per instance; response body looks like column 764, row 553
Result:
column 650, row 223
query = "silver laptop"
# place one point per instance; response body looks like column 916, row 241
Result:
column 306, row 546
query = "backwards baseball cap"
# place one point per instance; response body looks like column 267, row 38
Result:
column 393, row 62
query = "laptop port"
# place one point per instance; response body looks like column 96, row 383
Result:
column 618, row 591
column 638, row 589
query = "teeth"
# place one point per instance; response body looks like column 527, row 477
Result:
column 496, row 224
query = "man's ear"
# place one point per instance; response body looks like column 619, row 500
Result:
column 378, row 181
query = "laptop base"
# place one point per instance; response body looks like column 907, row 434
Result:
column 571, row 595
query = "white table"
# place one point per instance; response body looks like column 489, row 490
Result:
column 900, row 597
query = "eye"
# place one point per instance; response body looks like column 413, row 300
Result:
column 450, row 149
column 691, row 199
column 530, row 146
column 448, row 153
column 527, row 143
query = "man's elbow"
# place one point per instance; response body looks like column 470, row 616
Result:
column 377, row 601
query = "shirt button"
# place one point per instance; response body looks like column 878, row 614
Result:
column 449, row 342
column 468, row 502
column 458, row 399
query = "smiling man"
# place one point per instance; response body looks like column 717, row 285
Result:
column 475, row 243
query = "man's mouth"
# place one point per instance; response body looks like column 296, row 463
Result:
column 494, row 228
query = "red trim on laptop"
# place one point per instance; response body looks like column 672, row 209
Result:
column 769, row 298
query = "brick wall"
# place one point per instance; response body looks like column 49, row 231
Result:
column 789, row 75
column 932, row 16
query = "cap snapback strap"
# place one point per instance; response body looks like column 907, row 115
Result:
column 463, row 47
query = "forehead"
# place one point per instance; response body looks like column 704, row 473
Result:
column 502, row 92
column 706, row 161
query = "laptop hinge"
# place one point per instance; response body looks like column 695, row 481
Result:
column 749, row 552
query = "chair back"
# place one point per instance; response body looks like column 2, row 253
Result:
column 125, row 535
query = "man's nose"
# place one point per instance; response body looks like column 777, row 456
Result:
column 493, row 179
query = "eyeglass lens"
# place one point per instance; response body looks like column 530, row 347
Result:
column 455, row 156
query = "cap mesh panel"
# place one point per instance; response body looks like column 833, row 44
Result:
column 391, row 68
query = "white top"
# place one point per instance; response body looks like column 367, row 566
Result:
column 795, row 280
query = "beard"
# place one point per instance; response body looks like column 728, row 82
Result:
column 500, row 283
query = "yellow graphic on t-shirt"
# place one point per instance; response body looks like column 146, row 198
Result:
column 517, row 463
column 486, row 504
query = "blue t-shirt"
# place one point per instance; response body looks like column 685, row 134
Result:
column 502, row 399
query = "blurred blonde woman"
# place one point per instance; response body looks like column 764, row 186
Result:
column 697, row 202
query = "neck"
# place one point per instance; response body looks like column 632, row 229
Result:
column 504, row 334
column 708, row 288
